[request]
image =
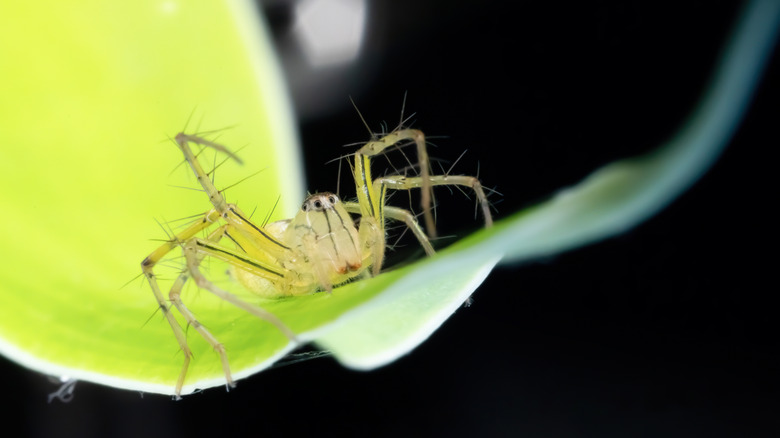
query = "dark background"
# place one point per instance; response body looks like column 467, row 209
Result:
column 667, row 330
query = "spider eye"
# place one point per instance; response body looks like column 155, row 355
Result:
column 333, row 199
column 317, row 204
column 305, row 206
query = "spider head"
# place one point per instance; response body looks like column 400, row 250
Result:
column 325, row 236
column 320, row 202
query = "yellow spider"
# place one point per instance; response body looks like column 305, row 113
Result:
column 317, row 249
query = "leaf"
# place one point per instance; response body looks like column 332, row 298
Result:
column 79, row 222
column 87, row 166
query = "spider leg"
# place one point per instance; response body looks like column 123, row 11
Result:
column 398, row 214
column 372, row 233
column 175, row 297
column 376, row 147
column 183, row 141
column 229, row 212
column 408, row 218
column 147, row 267
column 400, row 182
column 195, row 249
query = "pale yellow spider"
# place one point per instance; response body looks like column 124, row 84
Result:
column 317, row 249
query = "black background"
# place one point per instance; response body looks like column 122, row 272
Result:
column 667, row 330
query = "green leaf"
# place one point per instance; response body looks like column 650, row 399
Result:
column 87, row 167
column 80, row 222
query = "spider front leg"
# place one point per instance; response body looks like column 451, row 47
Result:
column 371, row 193
column 376, row 147
column 371, row 234
column 183, row 142
column 230, row 212
column 195, row 249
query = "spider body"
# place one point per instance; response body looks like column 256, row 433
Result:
column 325, row 249
column 316, row 250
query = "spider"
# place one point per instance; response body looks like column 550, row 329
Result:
column 316, row 250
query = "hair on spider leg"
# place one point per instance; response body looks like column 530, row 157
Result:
column 139, row 276
column 397, row 243
column 388, row 151
column 391, row 165
column 190, row 219
column 409, row 163
column 189, row 118
column 168, row 231
column 340, row 159
column 216, row 166
column 168, row 138
column 384, row 130
column 405, row 123
column 491, row 203
column 269, row 214
column 222, row 190
column 338, row 180
column 414, row 167
column 213, row 172
column 455, row 163
column 185, row 188
column 216, row 132
column 156, row 309
column 492, row 191
column 173, row 263
column 197, row 130
column 252, row 214
column 403, row 108
column 348, row 145
column 200, row 150
column 371, row 133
